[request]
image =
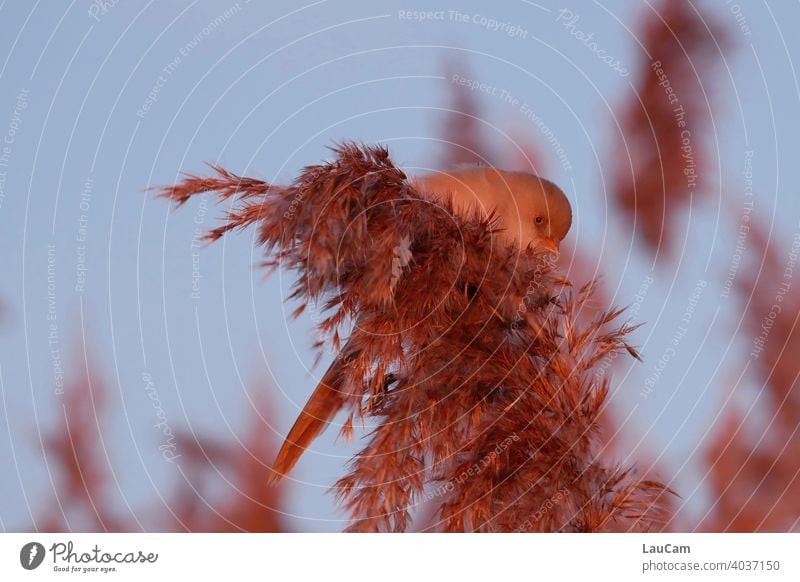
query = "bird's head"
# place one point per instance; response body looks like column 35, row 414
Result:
column 530, row 210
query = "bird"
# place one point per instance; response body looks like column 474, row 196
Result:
column 530, row 209
column 531, row 213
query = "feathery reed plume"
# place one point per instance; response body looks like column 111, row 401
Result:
column 83, row 484
column 524, row 152
column 463, row 139
column 191, row 506
column 255, row 508
column 775, row 332
column 75, row 448
column 660, row 165
column 525, row 155
column 753, row 458
column 248, row 505
column 463, row 133
column 467, row 354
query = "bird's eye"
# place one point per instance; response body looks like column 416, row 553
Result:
column 539, row 219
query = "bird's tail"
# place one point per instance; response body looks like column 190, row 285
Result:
column 320, row 409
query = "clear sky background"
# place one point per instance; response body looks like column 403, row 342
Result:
column 264, row 92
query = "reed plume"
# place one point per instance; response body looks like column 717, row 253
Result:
column 469, row 359
column 751, row 457
column 661, row 164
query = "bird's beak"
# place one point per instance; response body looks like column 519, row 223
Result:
column 550, row 245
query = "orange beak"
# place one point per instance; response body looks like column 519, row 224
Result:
column 550, row 245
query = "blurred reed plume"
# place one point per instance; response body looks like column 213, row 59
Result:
column 752, row 457
column 76, row 449
column 86, row 494
column 243, row 467
column 470, row 362
column 661, row 164
column 462, row 139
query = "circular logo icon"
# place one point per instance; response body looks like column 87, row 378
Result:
column 31, row 555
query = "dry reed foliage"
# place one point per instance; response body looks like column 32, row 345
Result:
column 240, row 469
column 468, row 358
column 84, row 492
column 524, row 153
column 660, row 165
column 463, row 140
column 74, row 447
column 753, row 455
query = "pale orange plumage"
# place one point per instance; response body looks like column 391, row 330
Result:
column 518, row 198
column 320, row 409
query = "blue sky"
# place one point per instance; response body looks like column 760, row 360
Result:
column 100, row 105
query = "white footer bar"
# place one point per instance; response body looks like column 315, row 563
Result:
column 401, row 557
